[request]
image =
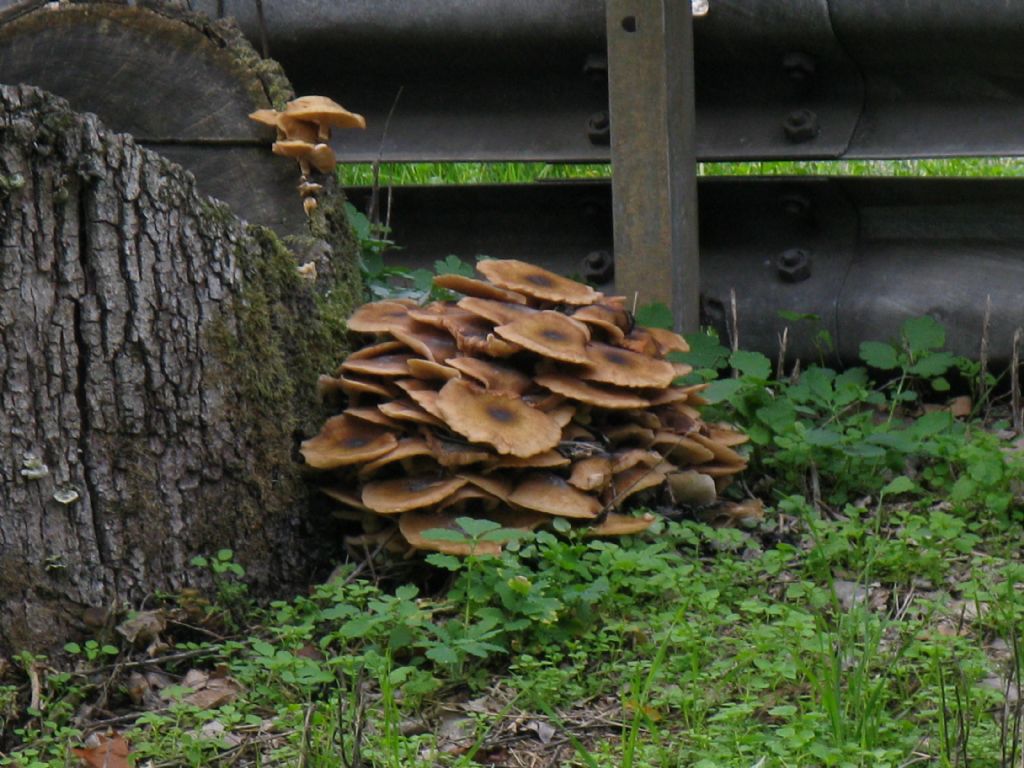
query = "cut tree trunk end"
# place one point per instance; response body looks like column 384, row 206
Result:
column 158, row 361
column 185, row 92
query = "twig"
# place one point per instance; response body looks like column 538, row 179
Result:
column 264, row 45
column 36, row 700
column 983, row 353
column 815, row 488
column 1015, row 394
column 780, row 366
column 307, row 726
column 373, row 214
column 363, row 564
column 156, row 660
column 734, row 329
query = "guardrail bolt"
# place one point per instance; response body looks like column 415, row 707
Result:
column 799, row 67
column 598, row 267
column 595, row 68
column 599, row 128
column 796, row 205
column 794, row 265
column 801, row 125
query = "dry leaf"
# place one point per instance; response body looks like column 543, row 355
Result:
column 209, row 691
column 545, row 731
column 105, row 752
column 744, row 514
column 143, row 628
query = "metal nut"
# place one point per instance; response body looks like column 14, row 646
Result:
column 794, row 265
column 598, row 267
column 799, row 67
column 801, row 125
column 595, row 68
column 599, row 128
column 796, row 205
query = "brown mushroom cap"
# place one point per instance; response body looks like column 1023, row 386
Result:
column 615, row 524
column 382, row 365
column 373, row 415
column 474, row 335
column 451, row 453
column 345, row 440
column 469, row 286
column 403, row 410
column 591, row 474
column 545, row 460
column 592, row 394
column 612, row 365
column 407, row 448
column 717, row 470
column 437, row 313
column 296, row 149
column 629, row 433
column 630, row 482
column 723, row 454
column 380, row 317
column 389, row 497
column 268, row 117
column 414, row 524
column 550, row 334
column 677, row 420
column 682, row 448
column 431, row 371
column 324, row 112
column 322, row 157
column 353, row 386
column 640, row 340
column 496, row 311
column 550, row 494
column 434, row 344
column 296, row 130
column 497, row 378
column 614, row 322
column 667, row 341
column 427, row 400
column 376, row 350
column 498, row 419
column 499, row 486
column 725, row 435
column 344, row 496
column 625, row 460
column 538, row 283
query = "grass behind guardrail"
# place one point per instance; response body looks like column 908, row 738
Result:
column 399, row 174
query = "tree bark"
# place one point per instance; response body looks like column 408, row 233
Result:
column 158, row 359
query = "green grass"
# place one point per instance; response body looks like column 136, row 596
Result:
column 518, row 173
column 873, row 618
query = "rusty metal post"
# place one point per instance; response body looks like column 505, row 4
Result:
column 654, row 187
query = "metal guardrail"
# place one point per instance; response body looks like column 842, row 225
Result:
column 764, row 79
column 861, row 254
column 526, row 80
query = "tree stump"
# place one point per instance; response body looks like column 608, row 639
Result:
column 158, row 362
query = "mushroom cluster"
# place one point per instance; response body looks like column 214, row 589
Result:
column 303, row 130
column 531, row 397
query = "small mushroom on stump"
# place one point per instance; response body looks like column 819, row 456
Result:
column 303, row 130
